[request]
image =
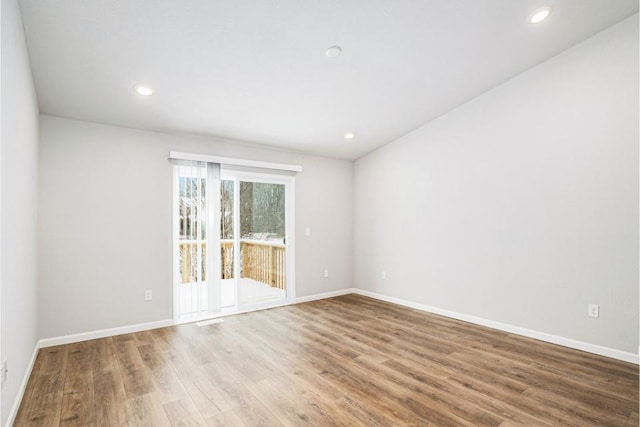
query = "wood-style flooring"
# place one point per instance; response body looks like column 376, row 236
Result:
column 349, row 360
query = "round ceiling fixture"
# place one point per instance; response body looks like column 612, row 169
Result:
column 144, row 90
column 349, row 135
column 333, row 51
column 539, row 15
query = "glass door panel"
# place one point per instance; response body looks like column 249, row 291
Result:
column 262, row 228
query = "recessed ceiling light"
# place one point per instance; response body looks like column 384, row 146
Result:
column 144, row 90
column 539, row 15
column 349, row 135
column 333, row 51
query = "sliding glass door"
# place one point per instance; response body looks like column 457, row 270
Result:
column 247, row 218
column 263, row 242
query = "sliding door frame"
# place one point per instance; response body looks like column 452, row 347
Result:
column 236, row 175
column 289, row 198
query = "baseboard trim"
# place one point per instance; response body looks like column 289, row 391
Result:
column 85, row 336
column 326, row 295
column 23, row 387
column 530, row 333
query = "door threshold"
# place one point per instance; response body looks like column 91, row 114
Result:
column 230, row 311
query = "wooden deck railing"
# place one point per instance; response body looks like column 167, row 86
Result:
column 264, row 262
column 188, row 260
column 226, row 259
column 261, row 261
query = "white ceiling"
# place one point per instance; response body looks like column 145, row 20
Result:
column 256, row 70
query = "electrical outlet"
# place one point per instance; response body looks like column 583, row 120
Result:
column 326, row 273
column 3, row 372
column 383, row 275
column 594, row 310
column 148, row 295
column 307, row 231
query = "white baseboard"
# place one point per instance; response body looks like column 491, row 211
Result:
column 85, row 336
column 23, row 386
column 326, row 295
column 542, row 336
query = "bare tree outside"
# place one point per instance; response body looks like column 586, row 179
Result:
column 262, row 211
column 226, row 205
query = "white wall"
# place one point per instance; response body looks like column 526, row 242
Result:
column 520, row 206
column 19, row 201
column 105, row 222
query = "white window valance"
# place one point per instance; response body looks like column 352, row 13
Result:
column 176, row 155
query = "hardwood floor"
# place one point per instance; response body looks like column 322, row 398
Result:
column 348, row 360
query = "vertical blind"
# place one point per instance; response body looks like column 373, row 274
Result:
column 197, row 184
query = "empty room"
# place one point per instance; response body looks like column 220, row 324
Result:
column 354, row 213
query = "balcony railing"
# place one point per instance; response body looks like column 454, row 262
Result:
column 264, row 262
column 260, row 260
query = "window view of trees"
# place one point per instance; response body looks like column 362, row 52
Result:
column 190, row 213
column 226, row 204
column 261, row 223
column 262, row 213
column 226, row 229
